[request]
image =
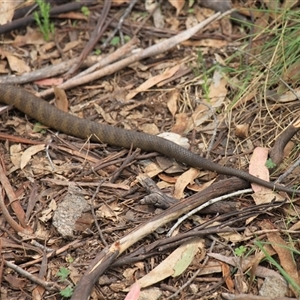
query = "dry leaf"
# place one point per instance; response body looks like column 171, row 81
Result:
column 167, row 267
column 50, row 81
column 284, row 252
column 15, row 152
column 28, row 153
column 134, row 292
column 152, row 170
column 61, row 100
column 110, row 211
column 17, row 65
column 217, row 96
column 84, row 222
column 105, row 115
column 287, row 151
column 120, row 2
column 32, row 37
column 216, row 44
column 150, row 129
column 175, row 138
column 257, row 167
column 233, row 237
column 38, row 292
column 158, row 18
column 168, row 179
column 217, row 90
column 226, row 273
column 172, row 101
column 289, row 96
column 153, row 81
column 71, row 45
column 198, row 188
column 244, row 264
column 47, row 213
column 183, row 180
column 7, row 10
column 15, row 282
column 182, row 121
column 178, row 4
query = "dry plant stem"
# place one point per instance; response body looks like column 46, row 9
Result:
column 211, row 144
column 43, row 267
column 288, row 171
column 227, row 222
column 17, row 244
column 48, row 154
column 79, row 154
column 167, row 32
column 118, row 27
column 95, row 36
column 167, row 244
column 211, row 201
column 73, row 245
column 209, row 290
column 15, row 205
column 47, row 285
column 23, row 22
column 2, row 264
column 106, row 257
column 246, row 263
column 130, row 158
column 147, row 18
column 142, row 54
column 15, row 139
column 109, row 59
column 270, row 70
column 55, row 70
column 40, row 246
column 239, row 278
column 94, row 214
column 49, row 71
column 32, row 200
column 88, row 184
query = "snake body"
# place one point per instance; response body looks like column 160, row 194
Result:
column 52, row 117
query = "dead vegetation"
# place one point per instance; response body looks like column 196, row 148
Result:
column 82, row 219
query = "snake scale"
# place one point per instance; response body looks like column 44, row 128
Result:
column 52, row 117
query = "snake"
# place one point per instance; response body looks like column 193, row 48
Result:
column 57, row 119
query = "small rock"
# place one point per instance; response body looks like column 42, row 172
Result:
column 273, row 287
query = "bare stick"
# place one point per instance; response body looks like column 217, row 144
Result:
column 142, row 54
column 109, row 254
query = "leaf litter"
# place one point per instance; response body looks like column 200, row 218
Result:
column 170, row 91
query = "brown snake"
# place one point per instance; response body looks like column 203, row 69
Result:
column 54, row 118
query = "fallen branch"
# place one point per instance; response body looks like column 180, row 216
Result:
column 109, row 254
column 154, row 50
